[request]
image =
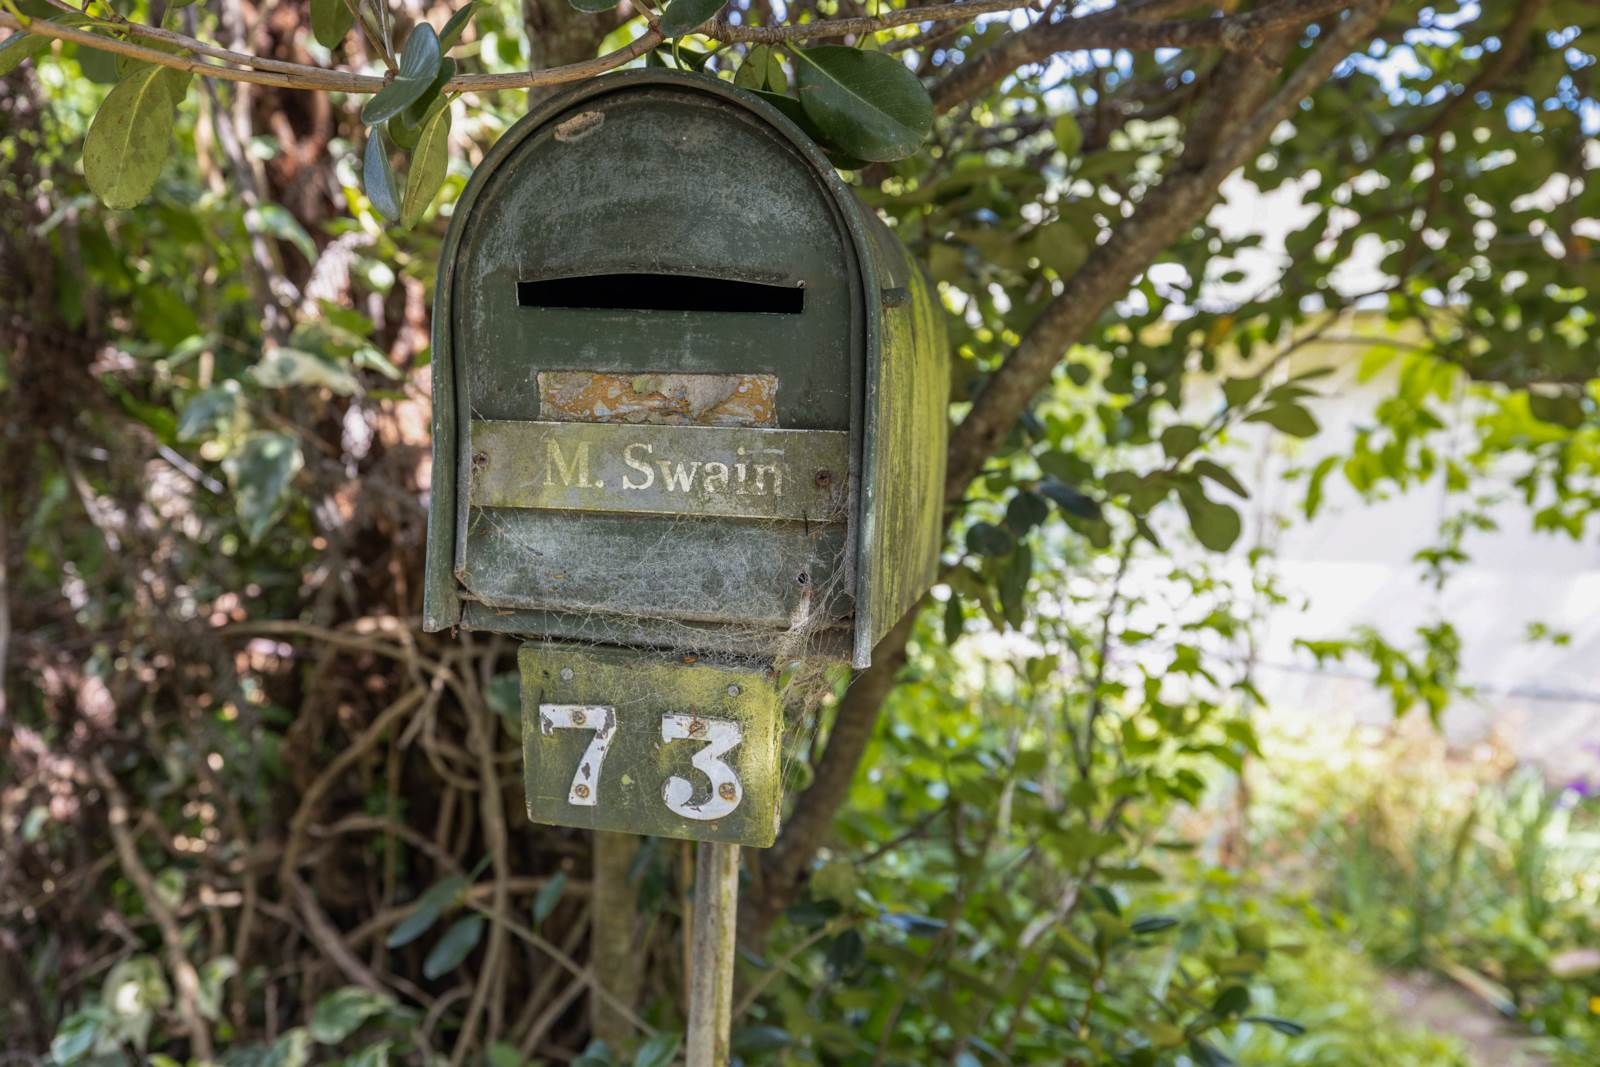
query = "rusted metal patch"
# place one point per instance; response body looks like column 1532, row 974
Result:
column 659, row 399
column 735, row 472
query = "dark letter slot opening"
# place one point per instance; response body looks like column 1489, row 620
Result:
column 660, row 292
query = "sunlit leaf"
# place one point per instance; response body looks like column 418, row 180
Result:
column 340, row 1013
column 682, row 16
column 331, row 20
column 868, row 103
column 429, row 163
column 18, row 47
column 457, row 25
column 260, row 471
column 419, row 63
column 130, row 137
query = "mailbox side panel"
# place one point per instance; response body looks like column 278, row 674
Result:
column 903, row 469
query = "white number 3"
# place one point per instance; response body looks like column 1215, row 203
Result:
column 722, row 736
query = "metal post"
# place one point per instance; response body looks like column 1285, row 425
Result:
column 716, row 910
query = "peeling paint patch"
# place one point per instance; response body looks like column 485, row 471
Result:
column 580, row 126
column 663, row 399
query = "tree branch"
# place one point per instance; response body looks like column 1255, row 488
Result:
column 1109, row 29
column 1178, row 203
column 1114, row 29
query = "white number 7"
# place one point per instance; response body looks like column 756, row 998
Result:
column 585, row 791
column 726, row 791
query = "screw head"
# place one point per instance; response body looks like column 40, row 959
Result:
column 580, row 791
column 727, row 791
column 823, row 478
column 579, row 718
column 696, row 728
column 734, row 690
column 566, row 674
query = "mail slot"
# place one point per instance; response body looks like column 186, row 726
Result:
column 689, row 391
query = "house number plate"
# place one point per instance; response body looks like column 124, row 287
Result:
column 649, row 744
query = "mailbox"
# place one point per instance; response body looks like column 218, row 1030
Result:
column 689, row 392
column 689, row 420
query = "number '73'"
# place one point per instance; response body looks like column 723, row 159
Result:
column 720, row 735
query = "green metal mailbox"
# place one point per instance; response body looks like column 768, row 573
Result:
column 689, row 395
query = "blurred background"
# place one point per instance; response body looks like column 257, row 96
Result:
column 1302, row 771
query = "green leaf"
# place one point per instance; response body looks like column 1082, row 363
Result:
column 1234, row 1000
column 427, row 911
column 1179, row 441
column 682, row 16
column 208, row 410
column 594, row 7
column 456, row 26
column 98, row 66
column 1069, row 499
column 1287, row 1027
column 419, row 63
column 749, row 1040
column 1239, row 391
column 658, row 1051
column 18, row 47
column 1292, row 419
column 795, row 112
column 260, row 471
column 341, row 1013
column 377, row 177
column 955, row 619
column 1208, row 1055
column 1059, row 246
column 548, row 897
column 867, row 103
column 1222, row 476
column 284, row 368
column 129, row 138
column 76, row 1035
column 752, row 73
column 428, row 166
column 1069, row 135
column 987, row 539
column 292, row 1049
column 421, row 108
column 1151, row 924
column 1026, row 510
column 1216, row 525
column 371, row 1056
column 331, row 20
column 453, row 947
column 1558, row 409
column 501, row 1054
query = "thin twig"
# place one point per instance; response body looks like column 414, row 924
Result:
column 185, row 977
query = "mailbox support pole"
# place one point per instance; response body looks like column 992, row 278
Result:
column 716, row 910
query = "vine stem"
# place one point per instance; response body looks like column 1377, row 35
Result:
column 1106, row 29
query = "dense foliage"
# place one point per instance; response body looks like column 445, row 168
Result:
column 250, row 813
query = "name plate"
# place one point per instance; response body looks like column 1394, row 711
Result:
column 648, row 744
column 726, row 471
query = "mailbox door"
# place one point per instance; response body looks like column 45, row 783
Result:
column 655, row 349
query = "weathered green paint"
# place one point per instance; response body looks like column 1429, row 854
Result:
column 653, row 172
column 642, row 690
column 727, row 471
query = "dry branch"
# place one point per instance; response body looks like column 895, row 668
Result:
column 1108, row 29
